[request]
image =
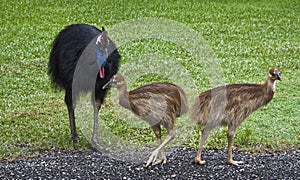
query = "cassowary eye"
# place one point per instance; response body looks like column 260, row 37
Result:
column 115, row 81
column 274, row 73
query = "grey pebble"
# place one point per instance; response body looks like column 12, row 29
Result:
column 96, row 165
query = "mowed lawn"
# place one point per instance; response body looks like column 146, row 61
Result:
column 246, row 37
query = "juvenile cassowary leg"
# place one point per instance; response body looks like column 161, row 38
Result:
column 71, row 107
column 157, row 131
column 153, row 157
column 96, row 106
column 230, row 137
column 204, row 136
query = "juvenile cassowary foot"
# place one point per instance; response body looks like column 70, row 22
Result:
column 159, row 161
column 162, row 160
column 153, row 159
column 199, row 161
column 235, row 163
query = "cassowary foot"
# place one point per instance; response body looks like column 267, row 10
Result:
column 235, row 163
column 199, row 161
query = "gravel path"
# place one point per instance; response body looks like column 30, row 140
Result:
column 95, row 165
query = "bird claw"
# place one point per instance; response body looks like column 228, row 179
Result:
column 154, row 161
column 235, row 163
column 159, row 161
column 152, row 158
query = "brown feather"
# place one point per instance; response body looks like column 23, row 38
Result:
column 158, row 104
column 230, row 105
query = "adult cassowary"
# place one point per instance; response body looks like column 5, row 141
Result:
column 83, row 59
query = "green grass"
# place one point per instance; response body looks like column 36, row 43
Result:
column 247, row 37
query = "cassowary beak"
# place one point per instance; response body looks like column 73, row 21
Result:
column 101, row 61
column 101, row 50
column 277, row 74
column 108, row 84
column 102, row 72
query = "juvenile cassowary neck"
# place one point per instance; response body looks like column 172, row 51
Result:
column 269, row 88
column 123, row 96
column 271, row 84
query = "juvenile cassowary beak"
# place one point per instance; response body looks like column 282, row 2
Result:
column 277, row 72
column 108, row 84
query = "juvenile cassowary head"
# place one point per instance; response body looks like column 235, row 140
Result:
column 116, row 81
column 102, row 52
column 274, row 74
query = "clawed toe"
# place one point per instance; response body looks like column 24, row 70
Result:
column 154, row 161
column 235, row 163
column 160, row 161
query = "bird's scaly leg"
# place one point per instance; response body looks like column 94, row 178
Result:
column 94, row 140
column 152, row 159
column 230, row 137
column 204, row 136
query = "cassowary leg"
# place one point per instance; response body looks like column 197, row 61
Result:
column 94, row 140
column 204, row 136
column 230, row 137
column 71, row 107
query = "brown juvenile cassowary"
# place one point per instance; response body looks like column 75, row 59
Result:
column 82, row 59
column 158, row 104
column 230, row 105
